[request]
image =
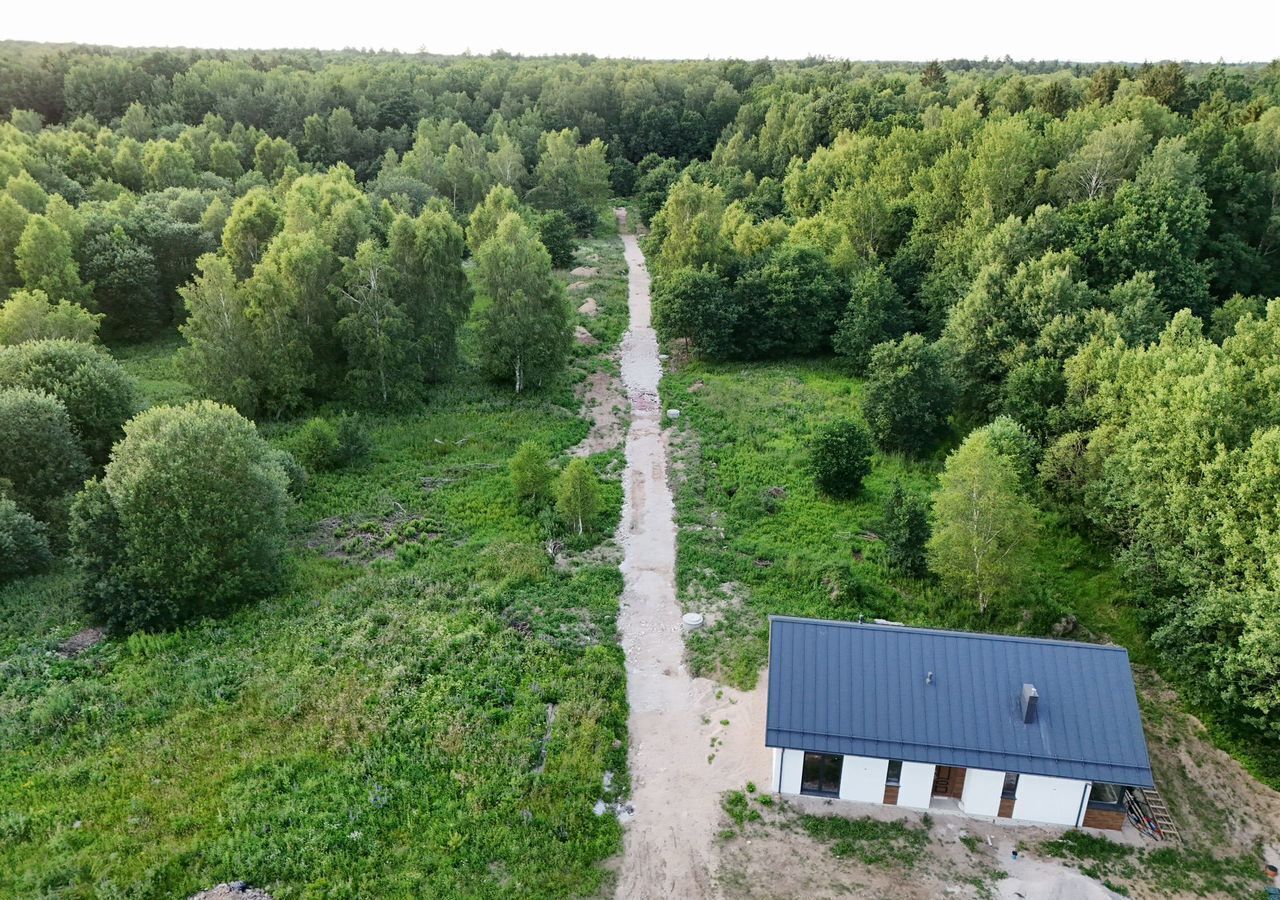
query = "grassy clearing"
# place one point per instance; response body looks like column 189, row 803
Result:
column 434, row 717
column 1167, row 869
column 870, row 841
column 757, row 539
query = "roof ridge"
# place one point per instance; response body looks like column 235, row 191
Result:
column 973, row 635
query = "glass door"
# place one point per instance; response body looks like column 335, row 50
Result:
column 821, row 774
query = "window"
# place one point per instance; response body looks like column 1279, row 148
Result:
column 894, row 776
column 1106, row 795
column 1010, row 789
column 821, row 774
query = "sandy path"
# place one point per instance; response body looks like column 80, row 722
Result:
column 682, row 754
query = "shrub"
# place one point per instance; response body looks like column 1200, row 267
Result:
column 40, row 456
column 905, row 532
column 98, row 394
column 841, row 458
column 316, row 445
column 908, row 396
column 24, row 548
column 294, row 471
column 188, row 519
column 557, row 234
column 32, row 316
column 531, row 474
column 354, row 444
column 578, row 495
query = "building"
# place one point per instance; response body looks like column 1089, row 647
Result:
column 1013, row 728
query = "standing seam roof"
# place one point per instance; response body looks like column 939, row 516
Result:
column 860, row 690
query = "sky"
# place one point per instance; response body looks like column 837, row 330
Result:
column 1078, row 30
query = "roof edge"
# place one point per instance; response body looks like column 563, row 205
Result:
column 974, row 635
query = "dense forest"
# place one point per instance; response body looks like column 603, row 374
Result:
column 1056, row 284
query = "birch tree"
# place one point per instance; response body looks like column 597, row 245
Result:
column 524, row 331
column 984, row 530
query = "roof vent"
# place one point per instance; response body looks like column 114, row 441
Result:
column 928, row 679
column 1030, row 700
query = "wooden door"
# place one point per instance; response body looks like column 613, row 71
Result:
column 948, row 781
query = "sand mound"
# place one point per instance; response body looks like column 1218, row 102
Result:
column 589, row 308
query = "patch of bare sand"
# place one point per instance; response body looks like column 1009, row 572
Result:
column 585, row 271
column 589, row 308
column 604, row 405
column 584, row 337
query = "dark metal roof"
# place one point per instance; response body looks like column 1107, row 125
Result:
column 862, row 690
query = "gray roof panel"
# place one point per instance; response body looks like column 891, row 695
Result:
column 850, row 688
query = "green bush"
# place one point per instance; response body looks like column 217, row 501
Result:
column 905, row 532
column 316, row 445
column 557, row 234
column 294, row 471
column 908, row 395
column 24, row 548
column 40, row 455
column 531, row 475
column 354, row 444
column 841, row 458
column 98, row 394
column 188, row 519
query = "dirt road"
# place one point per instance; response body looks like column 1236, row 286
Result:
column 690, row 738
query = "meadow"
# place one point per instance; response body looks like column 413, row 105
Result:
column 756, row 537
column 431, row 706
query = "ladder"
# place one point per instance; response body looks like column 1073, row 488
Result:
column 1148, row 811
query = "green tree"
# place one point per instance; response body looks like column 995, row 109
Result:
column 578, row 495
column 697, row 304
column 32, row 316
column 484, row 220
column 686, row 232
column 46, row 260
column 97, row 393
column 188, row 519
column 984, row 530
column 875, row 314
column 524, row 330
column 376, row 332
column 255, row 218
column 167, row 165
column 531, row 474
column 934, row 77
column 840, row 459
column 40, row 456
column 431, row 284
column 905, row 532
column 24, row 545
column 556, row 233
column 13, row 222
column 908, row 396
column 220, row 358
column 789, row 302
column 124, row 278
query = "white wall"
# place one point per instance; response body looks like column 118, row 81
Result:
column 862, row 779
column 981, row 794
column 1052, row 801
column 790, row 768
column 917, row 785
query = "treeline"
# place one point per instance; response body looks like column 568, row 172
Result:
column 1069, row 271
